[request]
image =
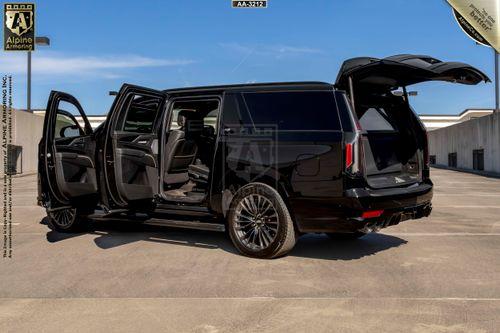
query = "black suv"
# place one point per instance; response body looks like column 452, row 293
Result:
column 266, row 162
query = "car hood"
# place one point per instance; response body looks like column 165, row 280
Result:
column 404, row 70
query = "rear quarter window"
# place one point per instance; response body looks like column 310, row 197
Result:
column 294, row 110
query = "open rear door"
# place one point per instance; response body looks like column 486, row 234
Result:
column 66, row 166
column 131, row 148
column 394, row 141
column 403, row 70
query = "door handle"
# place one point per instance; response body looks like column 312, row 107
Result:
column 228, row 130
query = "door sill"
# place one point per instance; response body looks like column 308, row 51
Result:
column 180, row 208
column 198, row 225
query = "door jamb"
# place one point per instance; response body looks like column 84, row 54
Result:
column 166, row 121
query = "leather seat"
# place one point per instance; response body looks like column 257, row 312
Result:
column 181, row 148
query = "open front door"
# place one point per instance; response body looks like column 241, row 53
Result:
column 66, row 166
column 131, row 148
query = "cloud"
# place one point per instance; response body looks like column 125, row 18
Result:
column 276, row 50
column 102, row 66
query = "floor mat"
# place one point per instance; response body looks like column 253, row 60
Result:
column 185, row 194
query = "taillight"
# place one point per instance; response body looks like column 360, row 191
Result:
column 354, row 156
column 372, row 213
column 348, row 155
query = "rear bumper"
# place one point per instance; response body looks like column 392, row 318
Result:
column 392, row 217
column 344, row 214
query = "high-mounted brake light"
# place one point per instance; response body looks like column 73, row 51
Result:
column 348, row 155
column 372, row 213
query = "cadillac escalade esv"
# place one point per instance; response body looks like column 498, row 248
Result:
column 264, row 162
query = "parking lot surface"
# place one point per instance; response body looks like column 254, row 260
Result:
column 439, row 274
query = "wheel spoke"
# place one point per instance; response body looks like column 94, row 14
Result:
column 261, row 241
column 247, row 206
column 272, row 228
column 246, row 217
column 265, row 236
column 266, row 207
column 63, row 217
column 256, row 221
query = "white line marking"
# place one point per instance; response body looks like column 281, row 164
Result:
column 255, row 298
column 466, row 195
column 438, row 234
column 463, row 206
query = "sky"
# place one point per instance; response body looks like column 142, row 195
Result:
column 96, row 46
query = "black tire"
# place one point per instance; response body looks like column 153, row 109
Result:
column 269, row 223
column 66, row 220
column 346, row 236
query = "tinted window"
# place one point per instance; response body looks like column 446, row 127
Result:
column 234, row 113
column 66, row 124
column 66, row 127
column 345, row 112
column 141, row 114
column 211, row 119
column 199, row 112
column 307, row 110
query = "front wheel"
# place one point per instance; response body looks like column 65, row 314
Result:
column 65, row 219
column 259, row 222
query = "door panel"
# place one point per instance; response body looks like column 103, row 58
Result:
column 67, row 149
column 75, row 170
column 136, row 167
column 131, row 149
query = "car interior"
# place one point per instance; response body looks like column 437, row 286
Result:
column 189, row 148
column 391, row 150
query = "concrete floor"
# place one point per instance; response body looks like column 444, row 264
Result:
column 440, row 274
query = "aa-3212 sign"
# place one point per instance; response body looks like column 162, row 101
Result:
column 19, row 27
column 249, row 4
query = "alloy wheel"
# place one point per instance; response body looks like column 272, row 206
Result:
column 64, row 218
column 256, row 222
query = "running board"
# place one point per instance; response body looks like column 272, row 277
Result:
column 187, row 224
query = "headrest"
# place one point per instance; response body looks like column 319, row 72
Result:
column 208, row 131
column 182, row 117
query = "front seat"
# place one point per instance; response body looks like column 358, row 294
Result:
column 180, row 149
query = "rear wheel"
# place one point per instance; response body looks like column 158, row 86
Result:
column 66, row 219
column 259, row 222
column 346, row 235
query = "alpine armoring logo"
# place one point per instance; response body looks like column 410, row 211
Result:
column 19, row 26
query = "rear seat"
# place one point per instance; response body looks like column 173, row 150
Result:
column 198, row 173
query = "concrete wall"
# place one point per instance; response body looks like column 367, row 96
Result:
column 462, row 138
column 26, row 132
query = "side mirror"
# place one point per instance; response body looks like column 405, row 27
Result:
column 70, row 131
column 400, row 93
